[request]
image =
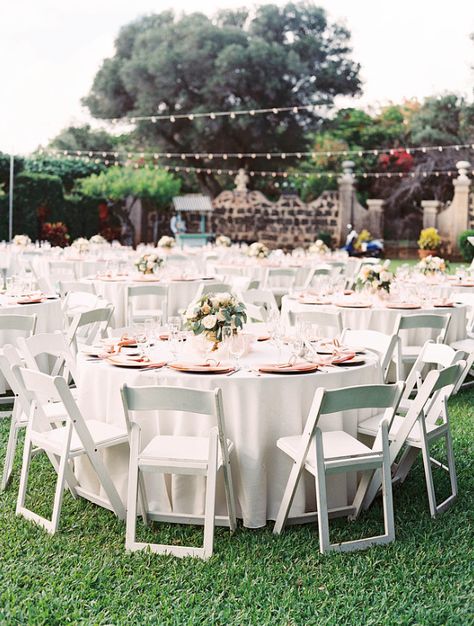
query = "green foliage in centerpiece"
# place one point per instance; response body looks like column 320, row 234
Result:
column 212, row 312
column 148, row 263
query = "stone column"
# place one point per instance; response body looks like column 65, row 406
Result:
column 430, row 213
column 346, row 199
column 460, row 203
column 375, row 207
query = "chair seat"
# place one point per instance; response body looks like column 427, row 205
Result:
column 410, row 353
column 144, row 313
column 371, row 426
column 101, row 433
column 467, row 345
column 179, row 449
column 335, row 444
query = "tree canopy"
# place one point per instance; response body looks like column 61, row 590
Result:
column 277, row 56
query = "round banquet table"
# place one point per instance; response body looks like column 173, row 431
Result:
column 379, row 317
column 49, row 318
column 259, row 409
column 114, row 290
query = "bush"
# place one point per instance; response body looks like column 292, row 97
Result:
column 36, row 198
column 81, row 214
column 467, row 249
column 325, row 238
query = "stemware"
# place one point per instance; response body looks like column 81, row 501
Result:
column 236, row 348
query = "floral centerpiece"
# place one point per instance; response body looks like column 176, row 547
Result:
column 318, row 247
column 431, row 265
column 258, row 250
column 223, row 241
column 98, row 240
column 81, row 245
column 166, row 242
column 21, row 240
column 377, row 277
column 56, row 233
column 429, row 242
column 212, row 312
column 148, row 263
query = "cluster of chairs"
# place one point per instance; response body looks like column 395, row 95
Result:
column 400, row 421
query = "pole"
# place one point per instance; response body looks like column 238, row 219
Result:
column 10, row 199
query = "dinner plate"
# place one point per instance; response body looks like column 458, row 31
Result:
column 353, row 305
column 349, row 362
column 405, row 306
column 201, row 368
column 296, row 368
column 310, row 300
column 30, row 301
column 263, row 338
column 443, row 305
column 133, row 362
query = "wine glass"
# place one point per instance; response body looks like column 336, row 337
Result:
column 140, row 336
column 236, row 348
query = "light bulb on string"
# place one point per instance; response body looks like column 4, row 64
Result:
column 212, row 116
column 172, row 119
column 232, row 116
column 153, row 120
column 253, row 156
column 191, row 117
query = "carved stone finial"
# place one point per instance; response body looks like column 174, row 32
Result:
column 348, row 172
column 241, row 181
column 463, row 167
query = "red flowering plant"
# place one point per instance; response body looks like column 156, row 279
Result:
column 396, row 161
column 56, row 233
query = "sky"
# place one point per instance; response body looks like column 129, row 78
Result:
column 50, row 51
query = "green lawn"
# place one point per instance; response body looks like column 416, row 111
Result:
column 83, row 575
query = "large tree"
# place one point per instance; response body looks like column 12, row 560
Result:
column 274, row 57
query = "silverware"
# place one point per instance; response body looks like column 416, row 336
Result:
column 234, row 371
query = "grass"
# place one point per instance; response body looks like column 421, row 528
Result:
column 83, row 574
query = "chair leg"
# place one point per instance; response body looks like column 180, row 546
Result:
column 387, row 493
column 210, row 512
column 288, row 497
column 425, row 449
column 133, row 488
column 10, row 453
column 24, row 474
column 58, row 496
column 230, row 496
column 321, row 497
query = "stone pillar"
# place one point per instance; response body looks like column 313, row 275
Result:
column 430, row 213
column 375, row 207
column 346, row 199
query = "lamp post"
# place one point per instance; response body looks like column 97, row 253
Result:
column 10, row 198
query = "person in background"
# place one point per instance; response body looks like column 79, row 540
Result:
column 177, row 224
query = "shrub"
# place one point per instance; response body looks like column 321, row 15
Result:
column 429, row 239
column 325, row 238
column 467, row 249
column 56, row 233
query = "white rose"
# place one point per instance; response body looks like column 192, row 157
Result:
column 209, row 321
column 385, row 277
column 220, row 317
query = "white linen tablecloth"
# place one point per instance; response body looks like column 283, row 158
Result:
column 259, row 409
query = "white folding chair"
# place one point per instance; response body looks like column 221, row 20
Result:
column 178, row 455
column 77, row 437
column 89, row 326
column 418, row 321
column 262, row 298
column 18, row 324
column 317, row 273
column 68, row 286
column 322, row 319
column 255, row 313
column 78, row 302
column 137, row 313
column 467, row 344
column 10, row 364
column 49, row 353
column 62, row 270
column 383, row 345
column 426, row 421
column 210, row 287
column 284, row 276
column 326, row 453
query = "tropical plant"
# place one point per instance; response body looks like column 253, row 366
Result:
column 467, row 249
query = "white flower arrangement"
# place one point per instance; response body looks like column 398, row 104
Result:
column 318, row 247
column 148, row 263
column 166, row 242
column 258, row 250
column 223, row 241
column 81, row 244
column 432, row 265
column 21, row 240
column 98, row 239
column 375, row 276
column 212, row 312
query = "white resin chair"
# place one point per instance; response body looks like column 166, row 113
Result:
column 317, row 272
column 419, row 321
column 285, row 278
column 25, row 325
column 49, row 353
column 255, row 313
column 89, row 326
column 261, row 298
column 136, row 313
column 210, row 287
column 178, row 455
column 74, row 286
column 426, row 421
column 322, row 319
column 325, row 453
column 78, row 437
column 62, row 270
column 383, row 345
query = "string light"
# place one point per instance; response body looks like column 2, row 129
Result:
column 266, row 155
column 264, row 173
